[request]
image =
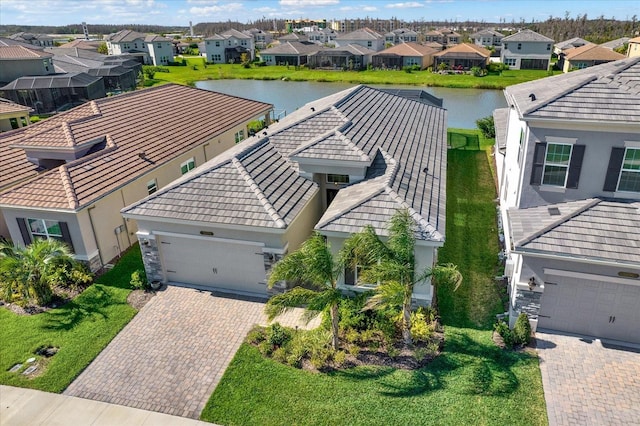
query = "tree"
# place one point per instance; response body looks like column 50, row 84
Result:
column 487, row 126
column 30, row 272
column 312, row 265
column 103, row 48
column 392, row 265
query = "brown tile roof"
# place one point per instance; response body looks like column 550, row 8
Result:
column 465, row 48
column 82, row 44
column 8, row 106
column 592, row 52
column 162, row 122
column 408, row 49
column 21, row 52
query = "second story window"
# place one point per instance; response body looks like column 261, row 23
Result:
column 152, row 186
column 556, row 164
column 190, row 164
column 519, row 46
column 239, row 136
column 630, row 171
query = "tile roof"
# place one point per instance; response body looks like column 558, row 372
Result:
column 593, row 228
column 128, row 124
column 124, row 36
column 82, row 44
column 10, row 106
column 501, row 121
column 22, row 52
column 609, row 92
column 361, row 34
column 464, row 50
column 408, row 49
column 406, row 139
column 571, row 43
column 592, row 52
column 616, row 43
column 526, row 35
column 292, row 48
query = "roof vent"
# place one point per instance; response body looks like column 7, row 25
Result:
column 313, row 109
column 426, row 170
column 554, row 211
column 532, row 97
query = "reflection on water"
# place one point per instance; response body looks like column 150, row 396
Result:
column 465, row 106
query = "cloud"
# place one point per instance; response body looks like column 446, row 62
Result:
column 308, row 3
column 405, row 5
column 266, row 9
column 217, row 9
column 370, row 9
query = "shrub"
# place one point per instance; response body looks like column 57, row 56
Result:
column 278, row 335
column 256, row 335
column 407, row 69
column 392, row 351
column 352, row 336
column 419, row 354
column 502, row 328
column 487, row 126
column 265, row 348
column 354, row 350
column 340, row 357
column 478, row 72
column 522, row 330
column 421, row 329
column 139, row 280
column 280, row 355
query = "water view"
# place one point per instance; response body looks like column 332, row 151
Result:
column 465, row 106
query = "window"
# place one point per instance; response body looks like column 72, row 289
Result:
column 159, row 46
column 152, row 186
column 510, row 62
column 506, row 46
column 630, row 171
column 556, row 164
column 239, row 136
column 337, row 178
column 548, row 46
column 14, row 123
column 135, row 45
column 190, row 164
column 519, row 46
column 216, row 57
column 217, row 44
column 369, row 44
column 45, row 229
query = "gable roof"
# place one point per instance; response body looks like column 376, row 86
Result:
column 593, row 228
column 236, row 34
column 593, row 52
column 156, row 38
column 292, row 48
column 579, row 95
column 527, row 35
column 464, row 50
column 82, row 44
column 616, row 43
column 4, row 41
column 486, row 32
column 22, row 52
column 124, row 36
column 408, row 49
column 361, row 34
column 571, row 43
column 128, row 124
column 9, row 106
column 403, row 140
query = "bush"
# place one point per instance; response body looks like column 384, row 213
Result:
column 280, row 355
column 478, row 72
column 139, row 280
column 255, row 335
column 522, row 330
column 421, row 329
column 496, row 67
column 278, row 335
column 487, row 126
column 419, row 354
column 502, row 328
column 339, row 358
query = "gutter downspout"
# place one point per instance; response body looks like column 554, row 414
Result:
column 95, row 238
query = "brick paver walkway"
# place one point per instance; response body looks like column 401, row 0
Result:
column 589, row 383
column 172, row 355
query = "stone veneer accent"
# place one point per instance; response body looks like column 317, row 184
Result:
column 94, row 264
column 528, row 302
column 151, row 259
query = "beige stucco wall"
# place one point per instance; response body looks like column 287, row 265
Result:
column 5, row 120
column 302, row 226
column 633, row 50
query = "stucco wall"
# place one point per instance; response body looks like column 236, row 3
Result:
column 12, row 69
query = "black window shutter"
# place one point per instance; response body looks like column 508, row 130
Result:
column 613, row 171
column 538, row 163
column 26, row 236
column 66, row 235
column 577, row 154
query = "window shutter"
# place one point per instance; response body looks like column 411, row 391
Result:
column 613, row 171
column 66, row 235
column 577, row 154
column 26, row 236
column 538, row 163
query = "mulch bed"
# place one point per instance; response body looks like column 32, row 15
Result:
column 139, row 298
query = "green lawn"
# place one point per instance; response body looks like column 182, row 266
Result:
column 189, row 75
column 81, row 329
column 472, row 382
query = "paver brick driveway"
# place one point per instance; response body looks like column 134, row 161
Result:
column 173, row 353
column 587, row 382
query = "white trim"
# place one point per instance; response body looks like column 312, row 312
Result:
column 593, row 277
column 274, row 250
column 86, row 257
column 553, row 188
column 551, row 164
column 200, row 237
column 559, row 140
column 201, row 225
column 631, row 144
column 569, row 258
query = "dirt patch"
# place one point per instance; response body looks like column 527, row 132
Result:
column 139, row 298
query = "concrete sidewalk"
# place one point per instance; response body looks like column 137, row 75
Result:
column 20, row 406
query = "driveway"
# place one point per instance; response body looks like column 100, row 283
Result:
column 588, row 382
column 173, row 353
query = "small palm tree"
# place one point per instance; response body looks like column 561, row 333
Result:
column 312, row 264
column 29, row 272
column 392, row 265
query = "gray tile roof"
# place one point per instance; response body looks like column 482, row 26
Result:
column 608, row 92
column 526, row 35
column 571, row 43
column 292, row 48
column 593, row 228
column 500, row 121
column 616, row 43
column 361, row 34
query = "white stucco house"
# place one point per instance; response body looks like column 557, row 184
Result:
column 228, row 47
column 334, row 165
column 568, row 162
column 364, row 37
column 149, row 49
column 526, row 50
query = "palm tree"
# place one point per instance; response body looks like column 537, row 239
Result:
column 314, row 265
column 29, row 271
column 392, row 265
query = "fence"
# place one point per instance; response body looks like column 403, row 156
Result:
column 457, row 140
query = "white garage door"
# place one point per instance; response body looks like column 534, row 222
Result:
column 595, row 308
column 213, row 262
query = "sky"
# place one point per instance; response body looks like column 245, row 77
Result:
column 180, row 12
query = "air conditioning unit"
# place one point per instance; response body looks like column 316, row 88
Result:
column 509, row 266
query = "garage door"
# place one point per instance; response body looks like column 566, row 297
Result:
column 212, row 262
column 591, row 307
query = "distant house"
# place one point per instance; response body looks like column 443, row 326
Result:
column 12, row 115
column 401, row 35
column 587, row 56
column 290, row 53
column 462, row 56
column 18, row 61
column 149, row 49
column 615, row 44
column 82, row 44
column 526, row 50
column 160, row 49
column 487, row 38
column 562, row 46
column 351, row 56
column 228, row 47
column 568, row 167
column 443, row 37
column 404, row 55
column 67, row 177
column 293, row 37
column 41, row 40
column 364, row 37
column 322, row 36
column 115, row 76
column 633, row 50
column 261, row 39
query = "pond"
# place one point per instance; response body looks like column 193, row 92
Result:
column 464, row 106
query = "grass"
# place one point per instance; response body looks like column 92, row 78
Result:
column 472, row 382
column 187, row 75
column 80, row 329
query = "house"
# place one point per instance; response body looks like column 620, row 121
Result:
column 616, row 44
column 261, row 39
column 401, row 35
column 562, row 46
column 82, row 44
column 293, row 37
column 160, row 49
column 325, row 36
column 40, row 40
column 526, row 50
column 334, row 165
column 443, row 37
column 13, row 115
column 404, row 55
column 351, row 56
column 488, row 38
column 633, row 50
column 364, row 37
column 569, row 178
column 18, row 61
column 462, row 56
column 228, row 47
column 290, row 53
column 67, row 177
column 53, row 93
column 148, row 49
column 588, row 56
column 116, row 78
